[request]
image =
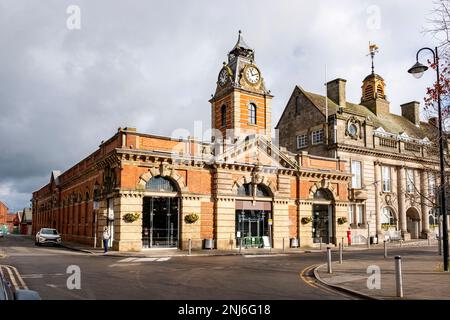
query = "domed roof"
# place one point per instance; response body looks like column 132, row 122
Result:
column 373, row 75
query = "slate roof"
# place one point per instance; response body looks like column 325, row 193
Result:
column 390, row 122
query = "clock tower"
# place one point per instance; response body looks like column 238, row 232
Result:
column 241, row 105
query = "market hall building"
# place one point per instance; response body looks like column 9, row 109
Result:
column 159, row 192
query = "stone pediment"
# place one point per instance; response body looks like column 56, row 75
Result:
column 257, row 151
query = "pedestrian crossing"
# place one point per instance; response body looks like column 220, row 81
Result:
column 134, row 261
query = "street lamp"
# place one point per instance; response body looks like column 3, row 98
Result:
column 417, row 71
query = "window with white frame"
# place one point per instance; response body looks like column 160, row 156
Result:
column 387, row 218
column 360, row 213
column 351, row 214
column 431, row 183
column 302, row 141
column 317, row 136
column 409, row 180
column 356, row 174
column 386, row 178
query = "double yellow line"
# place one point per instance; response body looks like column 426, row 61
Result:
column 10, row 273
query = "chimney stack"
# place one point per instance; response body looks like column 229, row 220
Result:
column 336, row 91
column 411, row 111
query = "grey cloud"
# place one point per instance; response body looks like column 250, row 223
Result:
column 153, row 65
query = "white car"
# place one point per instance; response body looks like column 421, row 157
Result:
column 47, row 235
column 1, row 234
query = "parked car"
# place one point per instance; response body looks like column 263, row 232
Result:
column 1, row 234
column 8, row 293
column 48, row 235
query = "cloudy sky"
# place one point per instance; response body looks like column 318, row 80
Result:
column 153, row 65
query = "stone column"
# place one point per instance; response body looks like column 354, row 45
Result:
column 190, row 204
column 127, row 235
column 424, row 203
column 401, row 190
column 280, row 227
column 225, row 218
column 305, row 230
column 377, row 188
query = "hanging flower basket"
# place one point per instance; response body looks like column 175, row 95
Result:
column 306, row 220
column 131, row 217
column 342, row 220
column 191, row 218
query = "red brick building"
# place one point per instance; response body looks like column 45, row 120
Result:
column 153, row 191
column 3, row 214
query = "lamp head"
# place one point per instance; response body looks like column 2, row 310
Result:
column 417, row 70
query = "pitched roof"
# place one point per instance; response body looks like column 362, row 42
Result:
column 390, row 122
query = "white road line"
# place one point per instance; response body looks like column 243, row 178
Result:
column 144, row 259
column 163, row 259
column 18, row 277
column 127, row 260
column 263, row 255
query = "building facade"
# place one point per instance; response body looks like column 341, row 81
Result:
column 240, row 189
column 3, row 217
column 392, row 158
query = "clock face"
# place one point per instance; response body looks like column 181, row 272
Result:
column 223, row 76
column 252, row 75
column 352, row 129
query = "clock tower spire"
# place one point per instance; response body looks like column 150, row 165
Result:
column 241, row 105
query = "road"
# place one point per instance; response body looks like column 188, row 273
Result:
column 266, row 277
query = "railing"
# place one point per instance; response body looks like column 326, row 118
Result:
column 388, row 143
column 412, row 147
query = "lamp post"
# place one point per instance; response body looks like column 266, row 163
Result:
column 417, row 71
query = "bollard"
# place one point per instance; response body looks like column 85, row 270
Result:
column 401, row 242
column 385, row 249
column 283, row 244
column 329, row 260
column 320, row 243
column 190, row 246
column 440, row 246
column 341, row 247
column 342, row 241
column 398, row 276
column 240, row 245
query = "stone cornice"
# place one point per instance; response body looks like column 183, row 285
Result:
column 381, row 154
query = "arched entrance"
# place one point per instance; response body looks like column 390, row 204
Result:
column 323, row 229
column 253, row 215
column 160, row 214
column 412, row 222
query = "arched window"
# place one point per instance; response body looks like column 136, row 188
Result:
column 298, row 104
column 323, row 194
column 160, row 184
column 245, row 190
column 252, row 113
column 387, row 217
column 433, row 218
column 262, row 191
column 223, row 115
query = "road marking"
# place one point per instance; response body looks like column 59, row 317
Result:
column 312, row 282
column 263, row 255
column 13, row 276
column 51, row 285
column 137, row 260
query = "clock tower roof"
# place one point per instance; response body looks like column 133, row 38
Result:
column 241, row 49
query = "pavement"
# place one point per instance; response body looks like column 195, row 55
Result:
column 163, row 252
column 422, row 275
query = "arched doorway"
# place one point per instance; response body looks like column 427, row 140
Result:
column 322, row 217
column 412, row 222
column 160, row 214
column 253, row 215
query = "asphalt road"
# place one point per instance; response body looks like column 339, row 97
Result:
column 267, row 277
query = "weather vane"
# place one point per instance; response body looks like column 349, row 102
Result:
column 373, row 49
